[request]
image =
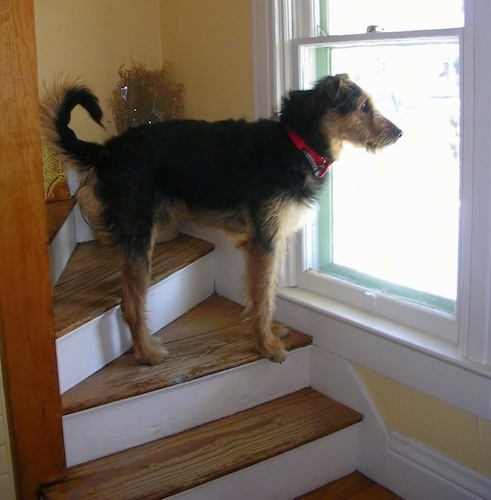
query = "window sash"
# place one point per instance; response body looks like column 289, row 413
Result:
column 423, row 319
column 367, row 38
column 345, row 284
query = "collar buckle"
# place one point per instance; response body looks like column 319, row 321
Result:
column 318, row 163
column 320, row 170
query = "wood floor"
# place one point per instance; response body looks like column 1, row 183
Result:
column 355, row 486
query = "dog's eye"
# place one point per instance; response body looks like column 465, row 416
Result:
column 365, row 107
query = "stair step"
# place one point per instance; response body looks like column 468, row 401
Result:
column 90, row 284
column 212, row 358
column 202, row 454
column 90, row 329
column 354, row 485
column 214, row 340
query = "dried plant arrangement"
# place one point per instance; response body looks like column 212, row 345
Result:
column 145, row 96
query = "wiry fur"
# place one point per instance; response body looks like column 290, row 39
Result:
column 247, row 179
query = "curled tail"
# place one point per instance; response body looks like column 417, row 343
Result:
column 56, row 109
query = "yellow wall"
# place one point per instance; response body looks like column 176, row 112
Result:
column 92, row 38
column 209, row 43
column 457, row 434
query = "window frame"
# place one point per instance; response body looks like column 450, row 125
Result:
column 470, row 346
column 429, row 320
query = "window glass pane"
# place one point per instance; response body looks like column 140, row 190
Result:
column 341, row 17
column 390, row 220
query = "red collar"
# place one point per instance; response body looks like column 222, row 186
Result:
column 319, row 164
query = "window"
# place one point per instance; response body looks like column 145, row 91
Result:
column 389, row 224
column 430, row 74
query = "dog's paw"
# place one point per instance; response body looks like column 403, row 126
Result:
column 274, row 351
column 151, row 353
column 278, row 357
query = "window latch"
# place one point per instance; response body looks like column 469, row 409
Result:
column 372, row 28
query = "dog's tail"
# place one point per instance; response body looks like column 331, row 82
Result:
column 56, row 109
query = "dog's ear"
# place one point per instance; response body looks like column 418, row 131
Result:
column 330, row 88
column 338, row 92
column 343, row 77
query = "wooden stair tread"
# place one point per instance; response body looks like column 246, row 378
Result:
column 57, row 213
column 355, row 486
column 90, row 284
column 216, row 341
column 183, row 461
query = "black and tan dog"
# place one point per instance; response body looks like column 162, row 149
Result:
column 251, row 180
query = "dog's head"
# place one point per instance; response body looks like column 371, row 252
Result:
column 337, row 110
column 350, row 115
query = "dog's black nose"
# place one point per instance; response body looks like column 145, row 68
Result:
column 398, row 133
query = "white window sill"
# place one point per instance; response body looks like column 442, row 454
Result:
column 427, row 364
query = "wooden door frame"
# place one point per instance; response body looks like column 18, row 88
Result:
column 27, row 340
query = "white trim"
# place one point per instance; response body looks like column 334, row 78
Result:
column 424, row 319
column 389, row 37
column 263, row 57
column 62, row 247
column 456, row 480
column 271, row 30
column 474, row 304
column 466, row 181
column 431, row 366
column 403, row 465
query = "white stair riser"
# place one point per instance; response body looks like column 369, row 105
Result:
column 93, row 345
column 288, row 475
column 108, row 429
column 61, row 248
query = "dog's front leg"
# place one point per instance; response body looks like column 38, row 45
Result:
column 261, row 272
column 135, row 284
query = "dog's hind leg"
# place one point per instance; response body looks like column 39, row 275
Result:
column 136, row 277
column 261, row 272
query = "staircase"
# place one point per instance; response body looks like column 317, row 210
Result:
column 214, row 421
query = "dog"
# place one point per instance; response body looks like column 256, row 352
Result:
column 252, row 180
